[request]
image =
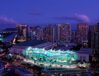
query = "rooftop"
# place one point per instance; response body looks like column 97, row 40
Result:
column 53, row 57
column 85, row 50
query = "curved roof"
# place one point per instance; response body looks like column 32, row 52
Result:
column 51, row 56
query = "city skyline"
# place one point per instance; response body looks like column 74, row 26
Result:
column 48, row 11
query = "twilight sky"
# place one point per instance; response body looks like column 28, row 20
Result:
column 48, row 11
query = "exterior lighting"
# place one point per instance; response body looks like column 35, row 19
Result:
column 52, row 57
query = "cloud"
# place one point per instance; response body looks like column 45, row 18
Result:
column 75, row 17
column 82, row 17
column 4, row 19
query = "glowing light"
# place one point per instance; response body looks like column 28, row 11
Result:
column 1, row 37
column 52, row 57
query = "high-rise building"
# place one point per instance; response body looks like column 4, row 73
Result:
column 39, row 33
column 90, row 36
column 64, row 32
column 48, row 33
column 82, row 33
column 32, row 33
column 94, row 37
column 23, row 32
column 73, row 36
column 57, row 32
column 36, row 32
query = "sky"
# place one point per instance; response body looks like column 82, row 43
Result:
column 48, row 11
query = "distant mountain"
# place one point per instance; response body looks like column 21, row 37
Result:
column 6, row 22
column 7, row 25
